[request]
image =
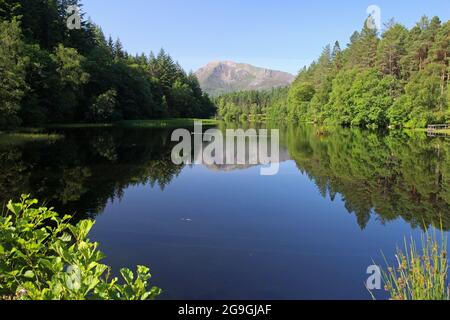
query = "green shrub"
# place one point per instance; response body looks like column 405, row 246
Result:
column 45, row 257
column 104, row 107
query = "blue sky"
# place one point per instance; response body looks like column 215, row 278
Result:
column 278, row 34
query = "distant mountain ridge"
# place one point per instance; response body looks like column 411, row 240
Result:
column 221, row 77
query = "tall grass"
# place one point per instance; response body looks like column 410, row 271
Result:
column 165, row 123
column 420, row 274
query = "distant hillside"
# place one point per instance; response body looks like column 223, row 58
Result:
column 226, row 76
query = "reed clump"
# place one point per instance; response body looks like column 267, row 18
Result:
column 420, row 273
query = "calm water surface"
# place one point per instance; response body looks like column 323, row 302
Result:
column 229, row 233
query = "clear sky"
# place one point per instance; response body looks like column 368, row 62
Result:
column 278, row 34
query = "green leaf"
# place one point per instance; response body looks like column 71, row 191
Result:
column 82, row 229
column 127, row 275
column 14, row 207
column 67, row 269
column 146, row 296
column 29, row 274
column 143, row 270
column 66, row 237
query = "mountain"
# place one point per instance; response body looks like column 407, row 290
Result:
column 226, row 76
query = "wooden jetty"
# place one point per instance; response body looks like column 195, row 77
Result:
column 438, row 130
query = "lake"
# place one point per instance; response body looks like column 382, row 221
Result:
column 226, row 232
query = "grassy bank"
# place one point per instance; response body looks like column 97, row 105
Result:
column 23, row 137
column 79, row 125
column 157, row 123
column 40, row 133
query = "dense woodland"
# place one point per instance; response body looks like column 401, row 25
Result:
column 51, row 74
column 398, row 78
column 253, row 105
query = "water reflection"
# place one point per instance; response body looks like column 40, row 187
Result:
column 81, row 172
column 393, row 175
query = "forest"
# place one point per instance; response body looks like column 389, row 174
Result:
column 399, row 79
column 51, row 74
column 253, row 105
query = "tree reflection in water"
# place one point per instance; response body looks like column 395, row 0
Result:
column 393, row 175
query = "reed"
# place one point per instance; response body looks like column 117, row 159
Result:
column 420, row 273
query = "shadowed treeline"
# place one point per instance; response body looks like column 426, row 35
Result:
column 81, row 172
column 54, row 74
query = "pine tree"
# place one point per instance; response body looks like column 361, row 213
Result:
column 392, row 49
column 336, row 56
column 118, row 49
column 368, row 46
column 440, row 53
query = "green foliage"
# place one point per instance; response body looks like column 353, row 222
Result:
column 54, row 75
column 364, row 100
column 253, row 105
column 391, row 49
column 68, row 66
column 419, row 275
column 104, row 107
column 45, row 257
column 400, row 79
column 71, row 77
column 299, row 100
column 12, row 73
column 339, row 109
column 424, row 95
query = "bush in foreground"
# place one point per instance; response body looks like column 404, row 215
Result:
column 44, row 257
